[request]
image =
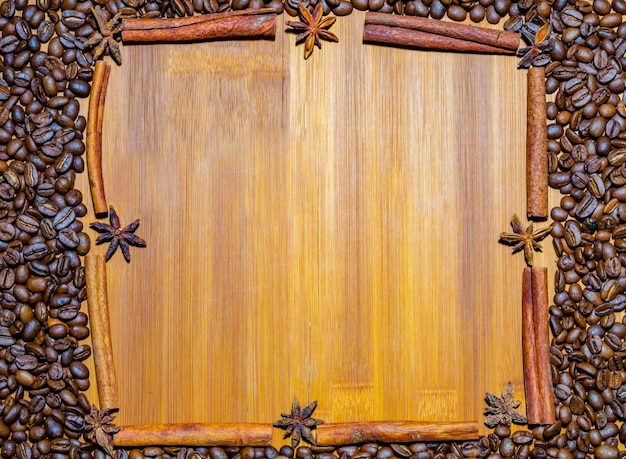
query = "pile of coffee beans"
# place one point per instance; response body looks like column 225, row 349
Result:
column 46, row 69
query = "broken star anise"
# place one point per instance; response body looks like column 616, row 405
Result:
column 527, row 239
column 312, row 28
column 299, row 423
column 503, row 410
column 117, row 236
column 541, row 43
column 99, row 429
column 103, row 39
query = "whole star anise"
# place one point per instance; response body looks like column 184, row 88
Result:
column 99, row 430
column 312, row 28
column 118, row 236
column 526, row 239
column 503, row 410
column 299, row 423
column 103, row 39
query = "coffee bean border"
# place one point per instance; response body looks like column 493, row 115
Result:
column 47, row 51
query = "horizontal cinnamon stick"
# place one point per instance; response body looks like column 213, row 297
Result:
column 97, row 301
column 539, row 279
column 409, row 38
column 172, row 23
column 464, row 32
column 536, row 145
column 394, row 432
column 242, row 26
column 194, row 434
column 529, row 353
column 93, row 143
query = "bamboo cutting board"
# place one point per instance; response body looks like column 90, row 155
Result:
column 324, row 228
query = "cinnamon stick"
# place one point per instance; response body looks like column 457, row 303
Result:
column 409, row 38
column 171, row 23
column 194, row 434
column 97, row 301
column 539, row 278
column 94, row 138
column 239, row 26
column 101, row 102
column 529, row 353
column 394, row 432
column 536, row 145
column 464, row 32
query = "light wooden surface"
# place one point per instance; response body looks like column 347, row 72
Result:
column 324, row 228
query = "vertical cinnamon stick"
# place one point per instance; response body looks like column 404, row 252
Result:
column 539, row 277
column 95, row 270
column 536, row 145
column 94, row 138
column 101, row 101
column 529, row 351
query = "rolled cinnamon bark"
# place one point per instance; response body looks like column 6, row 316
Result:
column 397, row 36
column 536, row 145
column 93, row 142
column 101, row 102
column 194, row 434
column 172, row 23
column 495, row 38
column 244, row 26
column 97, row 301
column 394, row 432
column 539, row 276
column 529, row 353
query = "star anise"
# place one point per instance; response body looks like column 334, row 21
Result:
column 299, row 423
column 118, row 236
column 503, row 410
column 99, row 430
column 103, row 39
column 525, row 239
column 542, row 42
column 312, row 28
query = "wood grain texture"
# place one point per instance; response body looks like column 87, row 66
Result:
column 325, row 228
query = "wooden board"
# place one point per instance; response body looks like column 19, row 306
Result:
column 326, row 229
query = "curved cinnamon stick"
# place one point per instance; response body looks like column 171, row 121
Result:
column 348, row 433
column 195, row 434
column 256, row 26
column 97, row 301
column 93, row 142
